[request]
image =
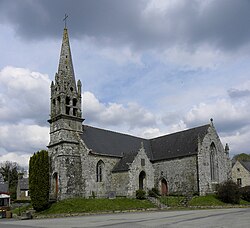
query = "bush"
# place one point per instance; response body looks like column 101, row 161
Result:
column 245, row 193
column 154, row 192
column 140, row 194
column 39, row 180
column 229, row 192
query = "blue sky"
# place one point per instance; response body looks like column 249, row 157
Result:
column 147, row 67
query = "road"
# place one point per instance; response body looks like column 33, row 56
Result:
column 233, row 217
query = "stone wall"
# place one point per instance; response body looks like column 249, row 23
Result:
column 180, row 174
column 136, row 167
column 66, row 163
column 222, row 163
column 89, row 165
column 120, row 183
column 239, row 172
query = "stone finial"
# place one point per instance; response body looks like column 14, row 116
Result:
column 142, row 145
column 227, row 149
column 211, row 122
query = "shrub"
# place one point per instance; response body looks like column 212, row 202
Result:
column 39, row 180
column 140, row 194
column 245, row 193
column 229, row 192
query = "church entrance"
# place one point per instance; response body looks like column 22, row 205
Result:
column 164, row 187
column 142, row 180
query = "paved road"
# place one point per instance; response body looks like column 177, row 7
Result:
column 234, row 217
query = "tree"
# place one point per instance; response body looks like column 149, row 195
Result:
column 39, row 180
column 229, row 192
column 241, row 157
column 9, row 171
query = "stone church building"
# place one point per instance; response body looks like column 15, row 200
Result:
column 87, row 161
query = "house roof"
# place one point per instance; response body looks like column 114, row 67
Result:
column 179, row 144
column 24, row 184
column 246, row 165
column 3, row 187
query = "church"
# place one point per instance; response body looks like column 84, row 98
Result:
column 86, row 161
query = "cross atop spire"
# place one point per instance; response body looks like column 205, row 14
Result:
column 65, row 20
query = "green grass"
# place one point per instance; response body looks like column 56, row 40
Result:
column 81, row 205
column 209, row 200
column 171, row 201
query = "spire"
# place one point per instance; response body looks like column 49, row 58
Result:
column 65, row 93
column 66, row 74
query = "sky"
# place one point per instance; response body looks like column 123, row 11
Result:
column 148, row 68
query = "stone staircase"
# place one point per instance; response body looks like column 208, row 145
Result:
column 186, row 200
column 157, row 202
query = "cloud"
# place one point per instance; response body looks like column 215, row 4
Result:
column 141, row 24
column 113, row 114
column 23, row 138
column 24, row 96
column 227, row 116
column 22, row 160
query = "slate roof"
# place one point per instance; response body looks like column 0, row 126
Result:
column 3, row 187
column 246, row 164
column 123, row 164
column 179, row 144
column 111, row 143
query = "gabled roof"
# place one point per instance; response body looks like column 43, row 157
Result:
column 179, row 144
column 246, row 165
column 111, row 143
column 124, row 163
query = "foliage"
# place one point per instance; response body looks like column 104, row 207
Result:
column 9, row 171
column 245, row 193
column 81, row 205
column 140, row 194
column 229, row 192
column 154, row 192
column 241, row 157
column 39, row 180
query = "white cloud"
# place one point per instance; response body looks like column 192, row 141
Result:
column 20, row 159
column 129, row 116
column 24, row 95
column 22, row 138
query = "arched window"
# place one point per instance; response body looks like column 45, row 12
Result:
column 213, row 164
column 99, row 171
column 55, row 184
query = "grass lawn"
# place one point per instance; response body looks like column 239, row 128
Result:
column 209, row 200
column 82, row 205
column 171, row 201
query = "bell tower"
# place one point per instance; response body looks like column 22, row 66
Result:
column 65, row 127
column 65, row 94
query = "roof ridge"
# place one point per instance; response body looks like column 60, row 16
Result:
column 116, row 132
column 177, row 132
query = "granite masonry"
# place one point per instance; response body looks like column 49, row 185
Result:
column 91, row 162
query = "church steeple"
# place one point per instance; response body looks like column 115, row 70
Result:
column 65, row 94
column 65, row 68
